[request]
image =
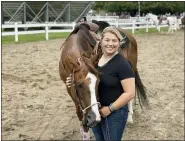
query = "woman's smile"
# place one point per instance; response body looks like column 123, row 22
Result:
column 112, row 47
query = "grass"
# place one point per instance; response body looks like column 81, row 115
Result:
column 150, row 30
column 41, row 37
column 33, row 37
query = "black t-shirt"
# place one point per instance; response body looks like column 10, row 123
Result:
column 115, row 70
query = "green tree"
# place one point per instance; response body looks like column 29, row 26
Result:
column 112, row 7
column 155, row 7
column 98, row 5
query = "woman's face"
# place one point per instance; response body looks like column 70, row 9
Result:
column 110, row 43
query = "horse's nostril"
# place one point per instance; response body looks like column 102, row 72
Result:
column 98, row 118
column 88, row 117
column 93, row 124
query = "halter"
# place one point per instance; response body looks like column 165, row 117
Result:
column 79, row 60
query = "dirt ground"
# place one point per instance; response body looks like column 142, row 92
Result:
column 36, row 106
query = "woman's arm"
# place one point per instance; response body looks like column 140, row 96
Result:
column 129, row 93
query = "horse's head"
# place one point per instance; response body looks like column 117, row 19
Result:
column 85, row 80
column 80, row 54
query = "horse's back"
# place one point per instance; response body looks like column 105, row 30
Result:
column 130, row 52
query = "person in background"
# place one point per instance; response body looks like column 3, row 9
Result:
column 137, row 21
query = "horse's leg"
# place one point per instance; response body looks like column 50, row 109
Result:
column 130, row 54
column 130, row 119
column 85, row 135
column 157, row 27
column 84, row 131
column 132, row 57
column 177, row 25
column 170, row 29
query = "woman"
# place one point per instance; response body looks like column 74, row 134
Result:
column 116, row 87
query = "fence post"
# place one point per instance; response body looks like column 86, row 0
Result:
column 146, row 26
column 117, row 25
column 16, row 32
column 46, row 31
column 73, row 26
column 133, row 26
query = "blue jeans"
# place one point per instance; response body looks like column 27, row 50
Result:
column 112, row 127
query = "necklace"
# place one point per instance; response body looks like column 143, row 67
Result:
column 104, row 60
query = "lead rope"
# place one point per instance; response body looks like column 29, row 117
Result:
column 107, row 129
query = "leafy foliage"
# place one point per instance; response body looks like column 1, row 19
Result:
column 156, row 7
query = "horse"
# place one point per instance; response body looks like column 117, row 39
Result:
column 80, row 53
column 172, row 22
column 129, row 51
column 157, row 20
column 79, row 59
column 183, row 20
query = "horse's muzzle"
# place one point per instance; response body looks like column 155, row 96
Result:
column 92, row 120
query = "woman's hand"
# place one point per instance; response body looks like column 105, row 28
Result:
column 105, row 111
column 68, row 81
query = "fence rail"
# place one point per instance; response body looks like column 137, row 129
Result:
column 69, row 28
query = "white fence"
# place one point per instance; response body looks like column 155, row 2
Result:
column 113, row 19
column 68, row 28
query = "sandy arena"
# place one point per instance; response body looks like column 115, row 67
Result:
column 36, row 106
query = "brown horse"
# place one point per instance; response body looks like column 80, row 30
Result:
column 80, row 53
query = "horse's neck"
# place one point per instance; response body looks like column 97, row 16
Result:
column 153, row 17
column 73, row 52
column 124, row 52
column 72, row 48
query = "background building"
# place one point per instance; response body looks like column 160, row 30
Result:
column 40, row 11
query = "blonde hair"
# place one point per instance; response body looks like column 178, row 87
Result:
column 114, row 31
column 117, row 33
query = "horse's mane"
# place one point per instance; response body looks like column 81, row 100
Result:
column 102, row 25
column 84, row 37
